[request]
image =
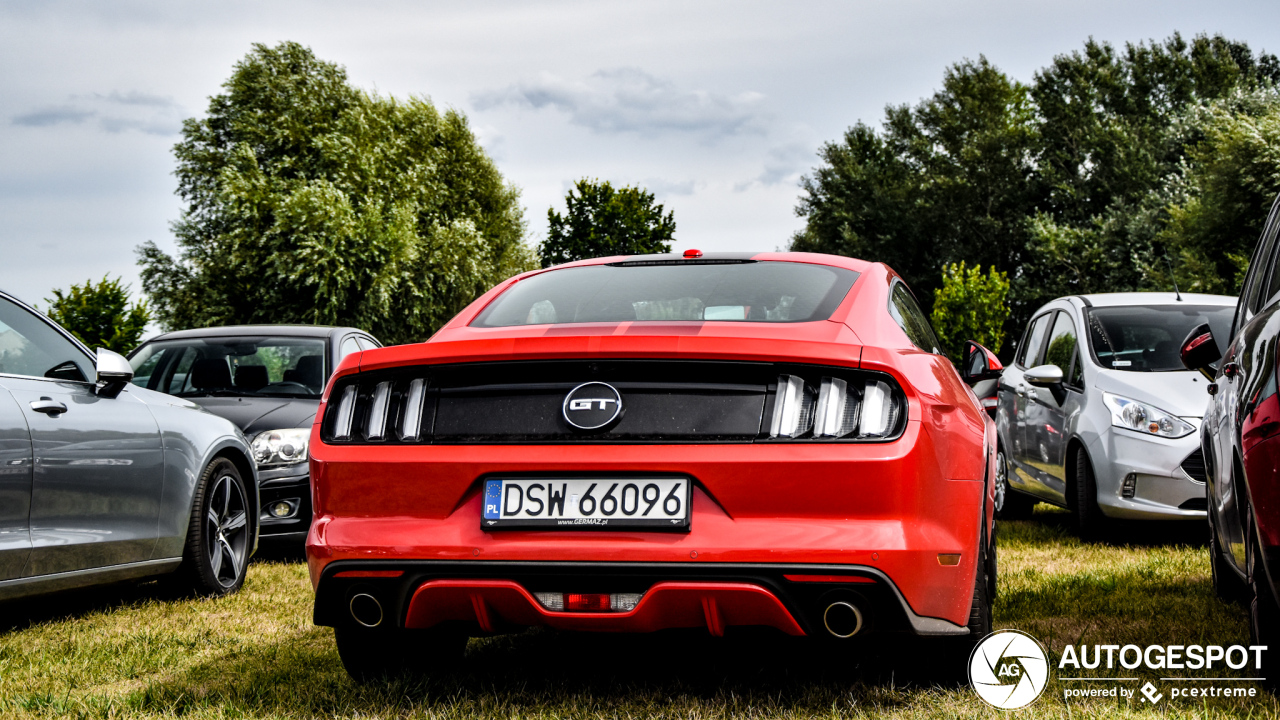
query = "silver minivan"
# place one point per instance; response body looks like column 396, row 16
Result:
column 1097, row 413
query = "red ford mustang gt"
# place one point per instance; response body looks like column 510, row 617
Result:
column 633, row 444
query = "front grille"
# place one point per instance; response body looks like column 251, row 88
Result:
column 1193, row 466
column 674, row 401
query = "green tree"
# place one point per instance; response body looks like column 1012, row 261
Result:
column 99, row 314
column 601, row 221
column 971, row 306
column 1224, row 195
column 311, row 201
column 951, row 179
column 1070, row 184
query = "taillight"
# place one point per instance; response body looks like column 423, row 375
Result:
column 837, row 409
column 382, row 408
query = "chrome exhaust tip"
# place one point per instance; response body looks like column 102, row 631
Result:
column 366, row 610
column 843, row 620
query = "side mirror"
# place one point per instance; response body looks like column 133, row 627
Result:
column 114, row 372
column 1200, row 351
column 979, row 364
column 1044, row 376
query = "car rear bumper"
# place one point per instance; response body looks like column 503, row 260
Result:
column 483, row 597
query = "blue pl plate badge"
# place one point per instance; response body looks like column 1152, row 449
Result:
column 492, row 499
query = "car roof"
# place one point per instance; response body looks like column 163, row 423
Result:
column 712, row 257
column 1155, row 298
column 311, row 331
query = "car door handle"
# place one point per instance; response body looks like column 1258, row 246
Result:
column 1021, row 390
column 48, row 406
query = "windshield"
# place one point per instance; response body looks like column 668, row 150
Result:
column 673, row 290
column 260, row 366
column 1148, row 339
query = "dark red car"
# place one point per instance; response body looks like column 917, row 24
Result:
column 634, row 444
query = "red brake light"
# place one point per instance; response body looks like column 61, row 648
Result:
column 1197, row 342
column 691, row 253
column 586, row 602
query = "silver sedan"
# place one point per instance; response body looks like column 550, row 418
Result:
column 102, row 481
column 1097, row 413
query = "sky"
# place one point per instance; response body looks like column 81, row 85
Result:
column 718, row 108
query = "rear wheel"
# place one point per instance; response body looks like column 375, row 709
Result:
column 1227, row 585
column 371, row 655
column 957, row 650
column 1090, row 522
column 219, row 534
column 1264, row 612
column 1010, row 504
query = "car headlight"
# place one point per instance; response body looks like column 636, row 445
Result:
column 1144, row 418
column 281, row 447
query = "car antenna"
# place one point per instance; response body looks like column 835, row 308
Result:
column 1169, row 262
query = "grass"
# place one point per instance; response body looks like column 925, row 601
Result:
column 122, row 652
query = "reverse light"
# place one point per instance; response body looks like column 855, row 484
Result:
column 346, row 411
column 588, row 602
column 792, row 408
column 412, row 422
column 375, row 426
column 879, row 411
column 1141, row 417
column 836, row 410
column 280, row 447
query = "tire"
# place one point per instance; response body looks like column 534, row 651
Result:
column 1010, row 504
column 956, row 651
column 1090, row 522
column 219, row 535
column 378, row 655
column 1227, row 584
column 1264, row 613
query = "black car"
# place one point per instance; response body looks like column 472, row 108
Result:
column 267, row 379
column 1240, row 439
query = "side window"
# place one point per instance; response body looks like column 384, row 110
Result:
column 366, row 343
column 349, row 345
column 912, row 320
column 1252, row 295
column 1076, row 380
column 29, row 346
column 1061, row 350
column 1029, row 353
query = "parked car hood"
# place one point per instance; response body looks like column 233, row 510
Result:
column 253, row 415
column 1181, row 392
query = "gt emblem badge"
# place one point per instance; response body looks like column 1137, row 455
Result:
column 592, row 406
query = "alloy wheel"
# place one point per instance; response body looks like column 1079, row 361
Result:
column 227, row 530
column 1002, row 480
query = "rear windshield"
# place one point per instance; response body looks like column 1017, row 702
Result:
column 245, row 366
column 749, row 291
column 1147, row 339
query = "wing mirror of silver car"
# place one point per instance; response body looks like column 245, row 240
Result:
column 1200, row 350
column 978, row 364
column 1044, row 376
column 114, row 372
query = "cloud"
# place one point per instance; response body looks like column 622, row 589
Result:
column 783, row 164
column 631, row 100
column 114, row 112
column 658, row 186
column 53, row 116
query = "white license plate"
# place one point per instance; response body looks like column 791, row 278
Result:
column 587, row 503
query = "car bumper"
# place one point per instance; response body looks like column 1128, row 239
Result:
column 483, row 598
column 1161, row 489
column 293, row 490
